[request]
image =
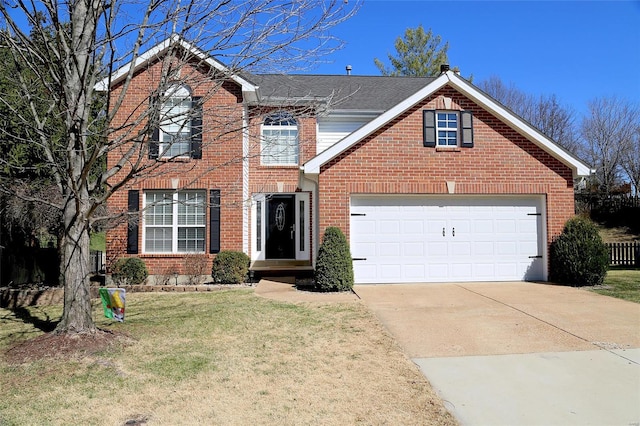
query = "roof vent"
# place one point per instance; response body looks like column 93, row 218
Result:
column 444, row 68
column 348, row 68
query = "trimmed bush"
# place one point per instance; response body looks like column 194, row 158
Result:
column 230, row 267
column 129, row 271
column 334, row 267
column 578, row 256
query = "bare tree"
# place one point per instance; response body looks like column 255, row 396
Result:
column 631, row 160
column 610, row 132
column 73, row 45
column 543, row 112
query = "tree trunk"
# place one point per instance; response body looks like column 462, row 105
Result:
column 77, row 317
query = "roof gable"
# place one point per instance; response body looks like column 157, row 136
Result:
column 450, row 78
column 159, row 50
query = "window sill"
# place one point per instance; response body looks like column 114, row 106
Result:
column 448, row 149
column 175, row 159
column 281, row 166
column 169, row 255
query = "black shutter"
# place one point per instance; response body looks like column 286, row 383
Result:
column 466, row 129
column 133, row 204
column 214, row 221
column 196, row 128
column 429, row 130
column 154, row 144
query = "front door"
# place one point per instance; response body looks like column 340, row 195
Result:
column 281, row 227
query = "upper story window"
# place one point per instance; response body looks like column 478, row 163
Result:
column 175, row 127
column 180, row 130
column 279, row 140
column 448, row 129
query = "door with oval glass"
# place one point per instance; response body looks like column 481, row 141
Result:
column 281, row 228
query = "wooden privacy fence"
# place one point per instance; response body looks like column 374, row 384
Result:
column 625, row 254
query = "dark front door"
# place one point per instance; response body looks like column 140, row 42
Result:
column 280, row 232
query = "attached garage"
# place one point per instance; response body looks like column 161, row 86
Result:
column 404, row 239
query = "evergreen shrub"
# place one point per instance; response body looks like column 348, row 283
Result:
column 230, row 267
column 129, row 271
column 578, row 256
column 334, row 266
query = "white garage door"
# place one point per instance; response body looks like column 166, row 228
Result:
column 447, row 239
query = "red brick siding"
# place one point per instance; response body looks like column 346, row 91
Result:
column 393, row 160
column 220, row 166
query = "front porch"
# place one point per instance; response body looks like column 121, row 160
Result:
column 273, row 268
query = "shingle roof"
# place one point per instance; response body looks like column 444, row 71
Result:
column 345, row 92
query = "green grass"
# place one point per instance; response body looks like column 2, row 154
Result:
column 98, row 241
column 622, row 284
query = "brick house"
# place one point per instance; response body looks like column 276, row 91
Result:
column 430, row 179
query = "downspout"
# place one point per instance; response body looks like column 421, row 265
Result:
column 246, row 201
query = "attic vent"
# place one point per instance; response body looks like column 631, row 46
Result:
column 444, row 68
column 348, row 68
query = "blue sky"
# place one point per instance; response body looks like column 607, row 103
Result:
column 577, row 50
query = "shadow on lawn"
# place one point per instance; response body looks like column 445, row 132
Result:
column 46, row 325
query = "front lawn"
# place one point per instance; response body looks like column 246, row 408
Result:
column 621, row 283
column 227, row 357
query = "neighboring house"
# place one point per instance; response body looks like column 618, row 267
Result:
column 430, row 179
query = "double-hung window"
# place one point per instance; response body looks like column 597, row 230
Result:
column 174, row 222
column 179, row 133
column 175, row 127
column 279, row 140
column 448, row 129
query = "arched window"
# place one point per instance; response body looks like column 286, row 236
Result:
column 175, row 127
column 280, row 140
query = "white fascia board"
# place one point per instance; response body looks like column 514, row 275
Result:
column 248, row 88
column 313, row 166
column 518, row 124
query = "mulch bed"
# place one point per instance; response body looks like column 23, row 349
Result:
column 63, row 345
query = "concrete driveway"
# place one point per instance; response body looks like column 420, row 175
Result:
column 519, row 353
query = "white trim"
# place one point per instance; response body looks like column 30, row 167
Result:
column 301, row 252
column 248, row 88
column 175, row 197
column 255, row 253
column 450, row 78
column 246, row 201
column 302, row 218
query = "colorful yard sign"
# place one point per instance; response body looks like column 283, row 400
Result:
column 113, row 301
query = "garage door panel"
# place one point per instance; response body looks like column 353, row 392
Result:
column 505, row 226
column 461, row 271
column 485, row 238
column 415, row 271
column 413, row 227
column 363, row 227
column 389, row 227
column 437, row 249
column 390, row 271
column 484, row 271
column 483, row 248
column 389, row 249
column 506, row 248
column 364, row 249
column 414, row 249
column 528, row 248
column 437, row 271
column 460, row 249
